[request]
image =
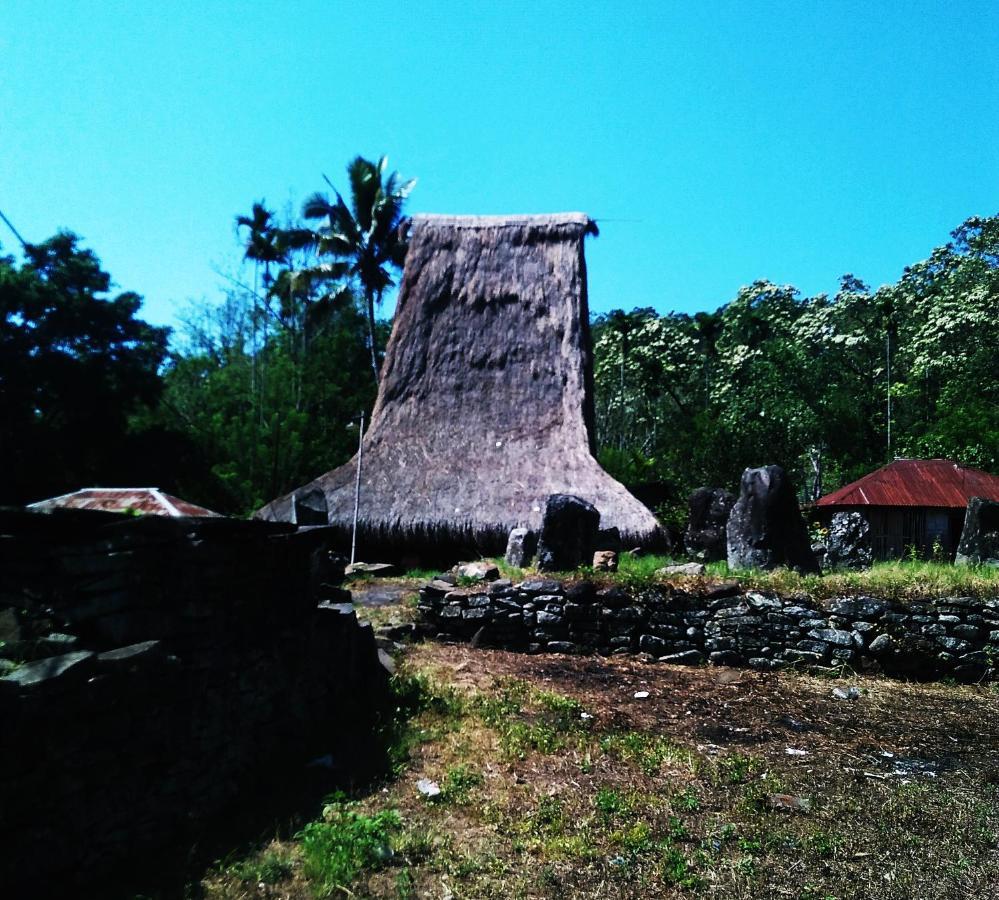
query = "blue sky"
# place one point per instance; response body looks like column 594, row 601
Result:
column 715, row 143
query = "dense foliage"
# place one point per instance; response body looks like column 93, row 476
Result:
column 75, row 365
column 774, row 377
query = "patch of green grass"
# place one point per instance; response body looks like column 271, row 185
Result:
column 344, row 844
column 610, row 802
column 529, row 720
column 458, row 782
column 270, row 867
column 647, row 751
column 413, row 695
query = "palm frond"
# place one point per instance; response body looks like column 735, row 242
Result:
column 316, row 206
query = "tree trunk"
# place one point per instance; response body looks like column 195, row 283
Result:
column 370, row 297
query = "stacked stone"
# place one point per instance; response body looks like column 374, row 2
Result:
column 202, row 655
column 724, row 626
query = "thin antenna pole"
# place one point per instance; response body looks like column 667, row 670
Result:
column 357, row 490
column 888, row 371
column 17, row 234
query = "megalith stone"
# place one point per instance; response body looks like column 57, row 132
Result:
column 765, row 528
column 521, row 547
column 705, row 537
column 848, row 545
column 568, row 533
column 979, row 543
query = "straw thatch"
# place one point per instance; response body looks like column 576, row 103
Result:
column 485, row 405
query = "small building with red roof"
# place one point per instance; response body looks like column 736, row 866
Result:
column 912, row 503
column 147, row 501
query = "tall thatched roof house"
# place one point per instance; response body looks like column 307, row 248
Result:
column 912, row 504
column 485, row 405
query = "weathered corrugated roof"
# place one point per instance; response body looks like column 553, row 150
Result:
column 148, row 501
column 917, row 482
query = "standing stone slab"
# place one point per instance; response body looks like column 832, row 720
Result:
column 765, row 529
column 705, row 537
column 568, row 534
column 849, row 543
column 521, row 547
column 980, row 536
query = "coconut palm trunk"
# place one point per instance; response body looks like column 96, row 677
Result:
column 370, row 297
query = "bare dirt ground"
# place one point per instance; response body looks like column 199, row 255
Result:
column 591, row 777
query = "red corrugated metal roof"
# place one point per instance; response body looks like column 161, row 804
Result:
column 917, row 482
column 148, row 501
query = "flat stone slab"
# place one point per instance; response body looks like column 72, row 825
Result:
column 49, row 670
column 381, row 594
column 378, row 570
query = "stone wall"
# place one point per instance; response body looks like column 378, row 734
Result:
column 726, row 625
column 155, row 669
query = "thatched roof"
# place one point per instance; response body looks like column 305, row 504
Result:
column 485, row 405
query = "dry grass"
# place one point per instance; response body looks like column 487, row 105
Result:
column 558, row 782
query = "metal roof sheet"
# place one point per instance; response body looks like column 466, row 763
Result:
column 917, row 482
column 148, row 501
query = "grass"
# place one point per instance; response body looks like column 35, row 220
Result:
column 892, row 580
column 345, row 843
column 556, row 782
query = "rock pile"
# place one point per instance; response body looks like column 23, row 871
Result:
column 156, row 667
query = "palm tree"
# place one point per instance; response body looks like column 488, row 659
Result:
column 262, row 242
column 366, row 238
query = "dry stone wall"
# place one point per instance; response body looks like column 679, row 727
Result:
column 155, row 670
column 725, row 625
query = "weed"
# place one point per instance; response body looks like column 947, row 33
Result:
column 458, row 781
column 648, row 751
column 550, row 815
column 609, row 802
column 404, row 889
column 675, row 869
column 270, row 867
column 688, row 801
column 336, row 850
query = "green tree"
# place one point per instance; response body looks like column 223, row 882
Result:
column 76, row 364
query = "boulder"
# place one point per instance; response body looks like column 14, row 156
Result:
column 979, row 543
column 605, row 561
column 691, row 569
column 480, row 570
column 705, row 537
column 765, row 529
column 568, row 533
column 521, row 547
column 848, row 545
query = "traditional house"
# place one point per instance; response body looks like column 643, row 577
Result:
column 912, row 504
column 142, row 501
column 485, row 405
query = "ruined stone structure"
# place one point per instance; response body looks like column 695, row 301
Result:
column 155, row 669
